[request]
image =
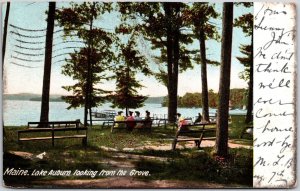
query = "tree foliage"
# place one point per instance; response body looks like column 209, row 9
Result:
column 161, row 23
column 246, row 23
column 198, row 17
column 126, row 95
column 88, row 65
column 247, row 61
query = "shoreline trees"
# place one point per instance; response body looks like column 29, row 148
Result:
column 238, row 99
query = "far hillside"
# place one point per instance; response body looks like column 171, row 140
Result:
column 57, row 98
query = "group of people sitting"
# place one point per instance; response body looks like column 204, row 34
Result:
column 133, row 121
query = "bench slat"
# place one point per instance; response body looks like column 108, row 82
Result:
column 197, row 131
column 199, row 124
column 148, row 125
column 209, row 138
column 188, row 139
column 54, row 122
column 49, row 138
column 50, row 129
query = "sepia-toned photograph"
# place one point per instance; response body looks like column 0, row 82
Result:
column 127, row 94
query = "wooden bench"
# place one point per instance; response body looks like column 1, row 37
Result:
column 200, row 132
column 146, row 125
column 54, row 124
column 52, row 128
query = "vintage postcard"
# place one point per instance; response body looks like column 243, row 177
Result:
column 148, row 94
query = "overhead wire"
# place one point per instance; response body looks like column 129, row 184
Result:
column 25, row 66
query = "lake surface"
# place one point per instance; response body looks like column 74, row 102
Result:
column 20, row 112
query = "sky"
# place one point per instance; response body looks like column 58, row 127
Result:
column 19, row 79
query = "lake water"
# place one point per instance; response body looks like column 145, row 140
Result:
column 19, row 112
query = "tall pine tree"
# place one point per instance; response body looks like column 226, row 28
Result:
column 161, row 24
column 5, row 34
column 126, row 95
column 88, row 66
column 224, row 83
column 48, row 62
column 198, row 17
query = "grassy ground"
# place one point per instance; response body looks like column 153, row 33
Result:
column 184, row 164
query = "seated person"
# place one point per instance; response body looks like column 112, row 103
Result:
column 180, row 122
column 148, row 118
column 119, row 117
column 199, row 118
column 130, row 125
column 138, row 118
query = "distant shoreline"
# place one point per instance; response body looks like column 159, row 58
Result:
column 58, row 98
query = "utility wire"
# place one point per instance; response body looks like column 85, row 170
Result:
column 26, row 36
column 29, row 42
column 27, row 60
column 24, row 65
column 27, row 54
column 22, row 47
column 24, row 29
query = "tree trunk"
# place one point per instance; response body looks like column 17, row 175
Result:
column 172, row 103
column 127, row 88
column 47, row 67
column 3, row 50
column 88, row 93
column 5, row 34
column 87, row 85
column 249, row 116
column 176, row 50
column 205, row 109
column 224, row 84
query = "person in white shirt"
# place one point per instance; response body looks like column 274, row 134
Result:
column 138, row 118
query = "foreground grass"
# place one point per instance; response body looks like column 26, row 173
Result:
column 194, row 165
column 187, row 164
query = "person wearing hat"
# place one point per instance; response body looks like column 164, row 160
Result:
column 138, row 118
column 130, row 125
column 119, row 117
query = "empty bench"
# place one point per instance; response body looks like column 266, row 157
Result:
column 145, row 125
column 200, row 134
column 51, row 128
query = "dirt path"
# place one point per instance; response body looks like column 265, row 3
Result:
column 130, row 182
column 204, row 143
column 126, row 160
